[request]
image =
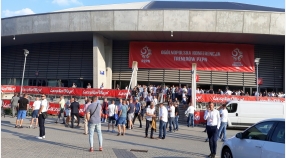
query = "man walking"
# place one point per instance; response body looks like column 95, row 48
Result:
column 131, row 109
column 172, row 117
column 36, row 108
column 118, row 109
column 213, row 123
column 61, row 112
column 14, row 103
column 23, row 106
column 68, row 112
column 104, row 110
column 137, row 112
column 223, row 116
column 74, row 112
column 163, row 115
column 85, row 119
column 93, row 115
column 111, row 111
column 150, row 112
column 191, row 111
column 176, row 117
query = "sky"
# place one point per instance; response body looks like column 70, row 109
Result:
column 25, row 7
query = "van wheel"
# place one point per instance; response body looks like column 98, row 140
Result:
column 226, row 153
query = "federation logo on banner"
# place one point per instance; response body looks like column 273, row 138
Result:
column 146, row 53
column 237, row 55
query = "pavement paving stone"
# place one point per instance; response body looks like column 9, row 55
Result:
column 63, row 141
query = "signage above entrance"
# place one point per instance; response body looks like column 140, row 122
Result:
column 181, row 55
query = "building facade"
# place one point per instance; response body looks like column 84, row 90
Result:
column 91, row 44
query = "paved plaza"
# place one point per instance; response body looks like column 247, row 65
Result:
column 62, row 141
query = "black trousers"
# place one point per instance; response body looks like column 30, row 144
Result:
column 148, row 124
column 212, row 135
column 136, row 115
column 42, row 125
column 72, row 118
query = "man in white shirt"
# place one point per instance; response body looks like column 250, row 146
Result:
column 213, row 123
column 150, row 113
column 163, row 116
column 190, row 112
column 222, row 128
column 171, row 117
column 61, row 112
column 43, row 111
column 36, row 107
column 111, row 111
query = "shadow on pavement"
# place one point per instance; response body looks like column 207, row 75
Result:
column 123, row 153
column 33, row 138
column 158, row 147
column 8, row 124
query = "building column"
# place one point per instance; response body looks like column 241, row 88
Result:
column 108, row 61
column 102, row 62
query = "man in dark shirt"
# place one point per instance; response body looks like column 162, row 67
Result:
column 74, row 112
column 23, row 106
column 130, row 116
column 176, row 117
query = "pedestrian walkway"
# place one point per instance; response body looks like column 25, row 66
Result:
column 62, row 141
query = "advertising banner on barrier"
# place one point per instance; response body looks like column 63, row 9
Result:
column 216, row 98
column 52, row 110
column 181, row 55
column 8, row 88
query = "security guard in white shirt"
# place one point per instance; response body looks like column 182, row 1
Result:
column 213, row 122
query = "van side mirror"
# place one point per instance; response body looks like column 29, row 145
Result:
column 239, row 135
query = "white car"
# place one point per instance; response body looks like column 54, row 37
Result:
column 265, row 139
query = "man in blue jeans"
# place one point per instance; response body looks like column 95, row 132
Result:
column 223, row 117
column 176, row 117
column 190, row 111
column 93, row 116
column 163, row 115
column 172, row 117
column 23, row 106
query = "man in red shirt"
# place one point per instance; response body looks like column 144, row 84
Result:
column 104, row 110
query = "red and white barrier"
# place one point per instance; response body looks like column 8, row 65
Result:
column 216, row 98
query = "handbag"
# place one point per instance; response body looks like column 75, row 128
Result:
column 115, row 114
column 45, row 115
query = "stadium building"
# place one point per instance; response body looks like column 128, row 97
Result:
column 97, row 44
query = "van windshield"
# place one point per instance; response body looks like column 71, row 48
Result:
column 231, row 108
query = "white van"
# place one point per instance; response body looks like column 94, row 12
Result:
column 247, row 113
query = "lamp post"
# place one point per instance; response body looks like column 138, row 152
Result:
column 257, row 63
column 26, row 52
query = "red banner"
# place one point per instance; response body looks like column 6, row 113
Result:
column 53, row 107
column 181, row 55
column 216, row 98
column 8, row 89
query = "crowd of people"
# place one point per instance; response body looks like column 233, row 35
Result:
column 182, row 92
column 122, row 115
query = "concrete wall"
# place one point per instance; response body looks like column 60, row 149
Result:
column 253, row 22
column 99, row 63
column 102, row 62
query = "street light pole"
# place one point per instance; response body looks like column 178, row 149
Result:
column 257, row 63
column 26, row 52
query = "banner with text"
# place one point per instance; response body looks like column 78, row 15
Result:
column 112, row 93
column 181, row 55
